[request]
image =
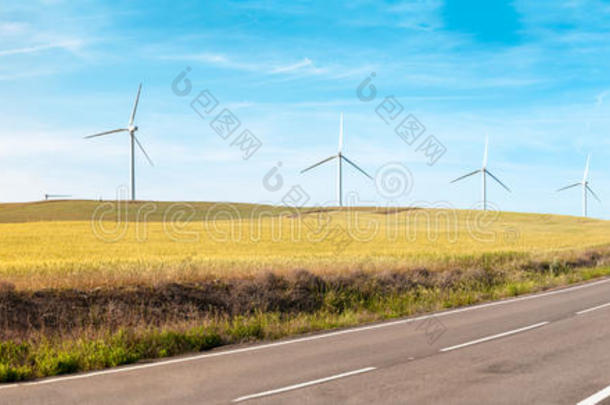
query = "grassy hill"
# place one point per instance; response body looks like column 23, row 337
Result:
column 58, row 244
column 83, row 210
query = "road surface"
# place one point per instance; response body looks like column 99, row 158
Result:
column 549, row 348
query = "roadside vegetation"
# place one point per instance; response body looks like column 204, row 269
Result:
column 73, row 300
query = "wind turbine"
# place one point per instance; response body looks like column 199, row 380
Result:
column 340, row 158
column 131, row 129
column 51, row 196
column 585, row 188
column 484, row 172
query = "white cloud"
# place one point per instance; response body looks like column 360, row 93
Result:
column 210, row 58
column 12, row 28
column 306, row 62
column 214, row 59
column 70, row 45
column 304, row 67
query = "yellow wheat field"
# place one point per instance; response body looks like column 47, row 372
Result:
column 98, row 253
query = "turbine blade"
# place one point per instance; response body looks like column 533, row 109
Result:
column 465, row 176
column 356, row 166
column 107, row 133
column 143, row 151
column 499, row 182
column 318, row 164
column 486, row 154
column 593, row 193
column 570, row 186
column 135, row 106
column 586, row 175
column 341, row 134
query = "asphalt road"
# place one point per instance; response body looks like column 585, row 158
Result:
column 540, row 349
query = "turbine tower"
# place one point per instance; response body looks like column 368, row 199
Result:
column 340, row 158
column 484, row 173
column 131, row 129
column 585, row 188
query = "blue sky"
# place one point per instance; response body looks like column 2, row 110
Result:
column 533, row 75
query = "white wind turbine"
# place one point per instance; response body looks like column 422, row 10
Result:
column 131, row 129
column 585, row 188
column 340, row 158
column 484, row 172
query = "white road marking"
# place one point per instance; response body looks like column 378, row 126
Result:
column 303, row 385
column 596, row 398
column 303, row 339
column 584, row 311
column 488, row 338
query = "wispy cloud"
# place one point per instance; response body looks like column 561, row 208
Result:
column 71, row 45
column 303, row 67
column 305, row 63
column 211, row 58
column 26, row 74
column 12, row 28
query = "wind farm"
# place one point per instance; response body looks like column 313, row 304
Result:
column 124, row 253
column 207, row 266
column 350, row 202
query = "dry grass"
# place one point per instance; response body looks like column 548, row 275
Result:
column 59, row 254
column 83, row 210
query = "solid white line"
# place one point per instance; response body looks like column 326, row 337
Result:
column 584, row 311
column 305, row 384
column 596, row 398
column 499, row 335
column 305, row 339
